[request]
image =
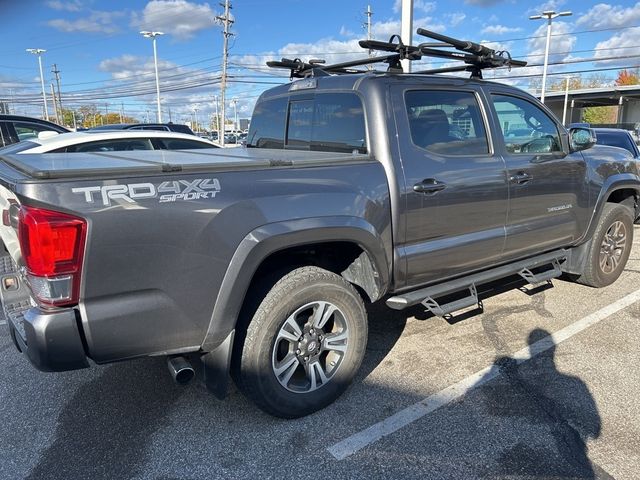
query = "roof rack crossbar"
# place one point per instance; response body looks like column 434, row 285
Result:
column 475, row 56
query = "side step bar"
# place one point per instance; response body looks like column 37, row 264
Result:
column 524, row 268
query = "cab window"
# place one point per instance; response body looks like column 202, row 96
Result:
column 446, row 122
column 526, row 128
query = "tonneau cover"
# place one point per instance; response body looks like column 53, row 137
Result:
column 75, row 165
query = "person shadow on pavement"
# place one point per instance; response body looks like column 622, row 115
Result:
column 555, row 415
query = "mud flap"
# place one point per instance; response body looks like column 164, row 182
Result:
column 216, row 367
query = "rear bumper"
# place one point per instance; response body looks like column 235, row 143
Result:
column 51, row 340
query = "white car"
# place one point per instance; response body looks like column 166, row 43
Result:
column 108, row 141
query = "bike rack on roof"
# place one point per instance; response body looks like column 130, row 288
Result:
column 474, row 56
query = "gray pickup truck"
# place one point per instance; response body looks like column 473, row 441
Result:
column 258, row 262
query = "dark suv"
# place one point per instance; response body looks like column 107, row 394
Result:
column 15, row 128
column 163, row 127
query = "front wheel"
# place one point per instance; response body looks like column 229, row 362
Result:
column 610, row 247
column 304, row 344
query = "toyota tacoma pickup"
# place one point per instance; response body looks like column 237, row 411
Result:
column 258, row 262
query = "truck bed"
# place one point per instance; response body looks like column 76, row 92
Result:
column 149, row 162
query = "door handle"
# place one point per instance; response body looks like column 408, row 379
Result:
column 521, row 178
column 429, row 186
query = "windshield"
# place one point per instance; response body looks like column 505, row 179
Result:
column 18, row 147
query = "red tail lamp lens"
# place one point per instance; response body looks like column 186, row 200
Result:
column 52, row 244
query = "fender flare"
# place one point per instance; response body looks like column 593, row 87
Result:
column 258, row 244
column 619, row 181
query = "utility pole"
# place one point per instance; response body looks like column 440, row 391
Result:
column 55, row 107
column 75, row 124
column 226, row 22
column 121, row 112
column 195, row 116
column 56, row 72
column 106, row 113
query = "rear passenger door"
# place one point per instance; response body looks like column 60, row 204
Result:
column 548, row 196
column 455, row 190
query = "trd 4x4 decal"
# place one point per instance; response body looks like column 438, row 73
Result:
column 173, row 191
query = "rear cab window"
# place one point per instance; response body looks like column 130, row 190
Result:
column 325, row 122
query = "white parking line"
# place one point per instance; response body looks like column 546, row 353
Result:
column 358, row 441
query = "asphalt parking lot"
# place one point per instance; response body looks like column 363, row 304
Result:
column 513, row 403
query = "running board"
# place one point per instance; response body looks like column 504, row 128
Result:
column 427, row 296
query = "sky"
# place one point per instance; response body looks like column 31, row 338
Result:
column 103, row 59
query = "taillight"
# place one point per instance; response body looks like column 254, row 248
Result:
column 52, row 246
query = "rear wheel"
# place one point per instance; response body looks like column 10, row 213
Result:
column 304, row 344
column 610, row 247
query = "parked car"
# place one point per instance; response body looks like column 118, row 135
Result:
column 617, row 137
column 109, row 141
column 259, row 261
column 16, row 128
column 163, row 127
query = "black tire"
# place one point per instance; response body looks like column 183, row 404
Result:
column 614, row 216
column 294, row 299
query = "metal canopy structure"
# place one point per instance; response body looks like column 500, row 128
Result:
column 626, row 97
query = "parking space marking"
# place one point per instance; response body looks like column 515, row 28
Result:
column 389, row 425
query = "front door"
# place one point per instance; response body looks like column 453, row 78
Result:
column 454, row 191
column 548, row 195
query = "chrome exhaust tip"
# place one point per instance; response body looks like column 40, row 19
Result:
column 180, row 369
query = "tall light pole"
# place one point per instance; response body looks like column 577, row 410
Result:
column 235, row 114
column 215, row 99
column 39, row 52
column 152, row 36
column 566, row 100
column 195, row 111
column 406, row 30
column 549, row 15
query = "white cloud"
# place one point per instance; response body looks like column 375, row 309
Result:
column 545, row 6
column 604, row 15
column 562, row 43
column 69, row 6
column 96, row 22
column 180, row 18
column 618, row 45
column 455, row 19
column 499, row 30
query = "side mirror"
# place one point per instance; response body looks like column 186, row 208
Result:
column 581, row 138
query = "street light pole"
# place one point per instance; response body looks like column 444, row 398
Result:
column 549, row 15
column 39, row 52
column 566, row 100
column 235, row 114
column 152, row 36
